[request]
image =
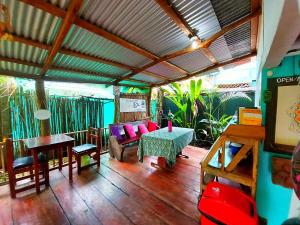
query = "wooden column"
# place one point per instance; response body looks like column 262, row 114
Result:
column 42, row 104
column 149, row 104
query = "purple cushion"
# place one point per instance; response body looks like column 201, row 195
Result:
column 115, row 131
column 129, row 130
column 143, row 129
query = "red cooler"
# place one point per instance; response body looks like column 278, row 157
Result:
column 222, row 204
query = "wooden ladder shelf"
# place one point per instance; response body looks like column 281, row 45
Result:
column 220, row 163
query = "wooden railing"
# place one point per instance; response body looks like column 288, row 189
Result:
column 79, row 136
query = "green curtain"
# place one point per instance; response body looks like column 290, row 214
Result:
column 67, row 114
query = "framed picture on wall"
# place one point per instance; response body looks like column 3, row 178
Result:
column 283, row 115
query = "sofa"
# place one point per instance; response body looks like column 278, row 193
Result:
column 120, row 139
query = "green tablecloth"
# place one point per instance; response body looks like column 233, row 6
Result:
column 164, row 143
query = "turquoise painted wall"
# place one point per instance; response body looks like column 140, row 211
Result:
column 273, row 201
column 109, row 112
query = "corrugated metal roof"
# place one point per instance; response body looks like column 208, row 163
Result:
column 143, row 23
column 83, row 41
column 199, row 15
column 83, row 64
column 147, row 78
column 228, row 11
column 220, row 49
column 192, row 62
column 166, row 71
column 31, row 22
column 78, row 76
column 19, row 68
column 21, row 51
column 239, row 40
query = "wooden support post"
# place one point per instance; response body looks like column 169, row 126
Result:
column 42, row 104
column 117, row 105
column 149, row 103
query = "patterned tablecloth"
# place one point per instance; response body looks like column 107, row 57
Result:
column 165, row 144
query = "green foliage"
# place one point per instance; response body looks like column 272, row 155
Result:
column 183, row 100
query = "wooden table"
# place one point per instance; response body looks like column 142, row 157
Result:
column 46, row 143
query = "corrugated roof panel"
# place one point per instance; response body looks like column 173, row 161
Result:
column 220, row 50
column 19, row 68
column 76, row 76
column 60, row 3
column 132, row 83
column 17, row 50
column 143, row 23
column 192, row 62
column 229, row 11
column 31, row 22
column 81, row 40
column 199, row 15
column 83, row 64
column 147, row 78
column 239, row 40
column 166, row 71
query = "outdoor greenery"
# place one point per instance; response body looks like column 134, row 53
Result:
column 201, row 110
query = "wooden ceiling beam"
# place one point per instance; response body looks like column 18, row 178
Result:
column 183, row 25
column 56, row 11
column 204, row 44
column 62, row 33
column 59, row 68
column 36, row 77
column 232, row 61
column 255, row 4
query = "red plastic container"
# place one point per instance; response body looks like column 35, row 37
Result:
column 222, row 204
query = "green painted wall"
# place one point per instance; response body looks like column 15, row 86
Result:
column 273, row 201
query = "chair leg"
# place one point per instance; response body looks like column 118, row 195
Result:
column 31, row 174
column 60, row 158
column 46, row 172
column 79, row 164
column 12, row 184
column 98, row 158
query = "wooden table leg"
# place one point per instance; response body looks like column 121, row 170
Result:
column 161, row 163
column 60, row 157
column 36, row 171
column 70, row 161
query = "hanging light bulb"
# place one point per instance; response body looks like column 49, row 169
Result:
column 194, row 40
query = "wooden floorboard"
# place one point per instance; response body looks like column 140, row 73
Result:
column 117, row 193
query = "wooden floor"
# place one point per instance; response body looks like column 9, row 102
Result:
column 119, row 193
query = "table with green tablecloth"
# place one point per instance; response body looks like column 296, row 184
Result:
column 165, row 144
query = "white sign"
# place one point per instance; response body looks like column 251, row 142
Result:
column 42, row 114
column 132, row 105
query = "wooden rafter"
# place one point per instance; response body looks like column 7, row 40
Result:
column 202, row 45
column 99, row 31
column 83, row 56
column 183, row 25
column 73, row 80
column 59, row 68
column 255, row 4
column 210, row 68
column 62, row 33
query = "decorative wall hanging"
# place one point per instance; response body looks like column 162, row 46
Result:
column 283, row 115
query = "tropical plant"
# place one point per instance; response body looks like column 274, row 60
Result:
column 183, row 100
column 214, row 124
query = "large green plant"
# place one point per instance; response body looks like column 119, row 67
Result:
column 213, row 103
column 183, row 100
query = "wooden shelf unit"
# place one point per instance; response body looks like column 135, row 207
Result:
column 219, row 162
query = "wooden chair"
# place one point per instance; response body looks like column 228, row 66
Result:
column 21, row 165
column 93, row 136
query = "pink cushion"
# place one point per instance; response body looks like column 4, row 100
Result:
column 152, row 126
column 129, row 130
column 143, row 129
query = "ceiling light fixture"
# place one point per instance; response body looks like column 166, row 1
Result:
column 194, row 40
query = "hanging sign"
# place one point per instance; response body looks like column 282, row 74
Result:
column 132, row 105
column 42, row 114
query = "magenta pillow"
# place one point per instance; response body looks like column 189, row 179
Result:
column 129, row 130
column 143, row 129
column 152, row 126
